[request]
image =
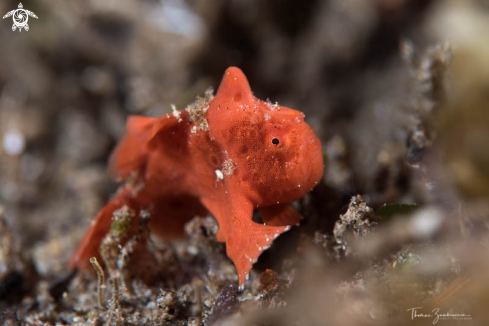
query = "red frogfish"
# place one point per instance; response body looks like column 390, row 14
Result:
column 228, row 156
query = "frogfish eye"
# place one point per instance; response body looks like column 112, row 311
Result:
column 275, row 141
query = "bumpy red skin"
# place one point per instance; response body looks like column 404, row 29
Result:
column 177, row 170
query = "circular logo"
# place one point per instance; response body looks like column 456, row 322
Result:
column 20, row 18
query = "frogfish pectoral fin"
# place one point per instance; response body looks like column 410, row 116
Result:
column 246, row 241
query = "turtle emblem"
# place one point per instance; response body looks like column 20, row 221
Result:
column 20, row 17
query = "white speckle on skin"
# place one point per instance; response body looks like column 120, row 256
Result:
column 13, row 142
column 175, row 112
column 219, row 175
column 276, row 106
column 249, row 259
column 267, row 116
column 228, row 166
column 269, row 104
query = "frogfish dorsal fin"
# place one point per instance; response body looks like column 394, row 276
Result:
column 234, row 86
